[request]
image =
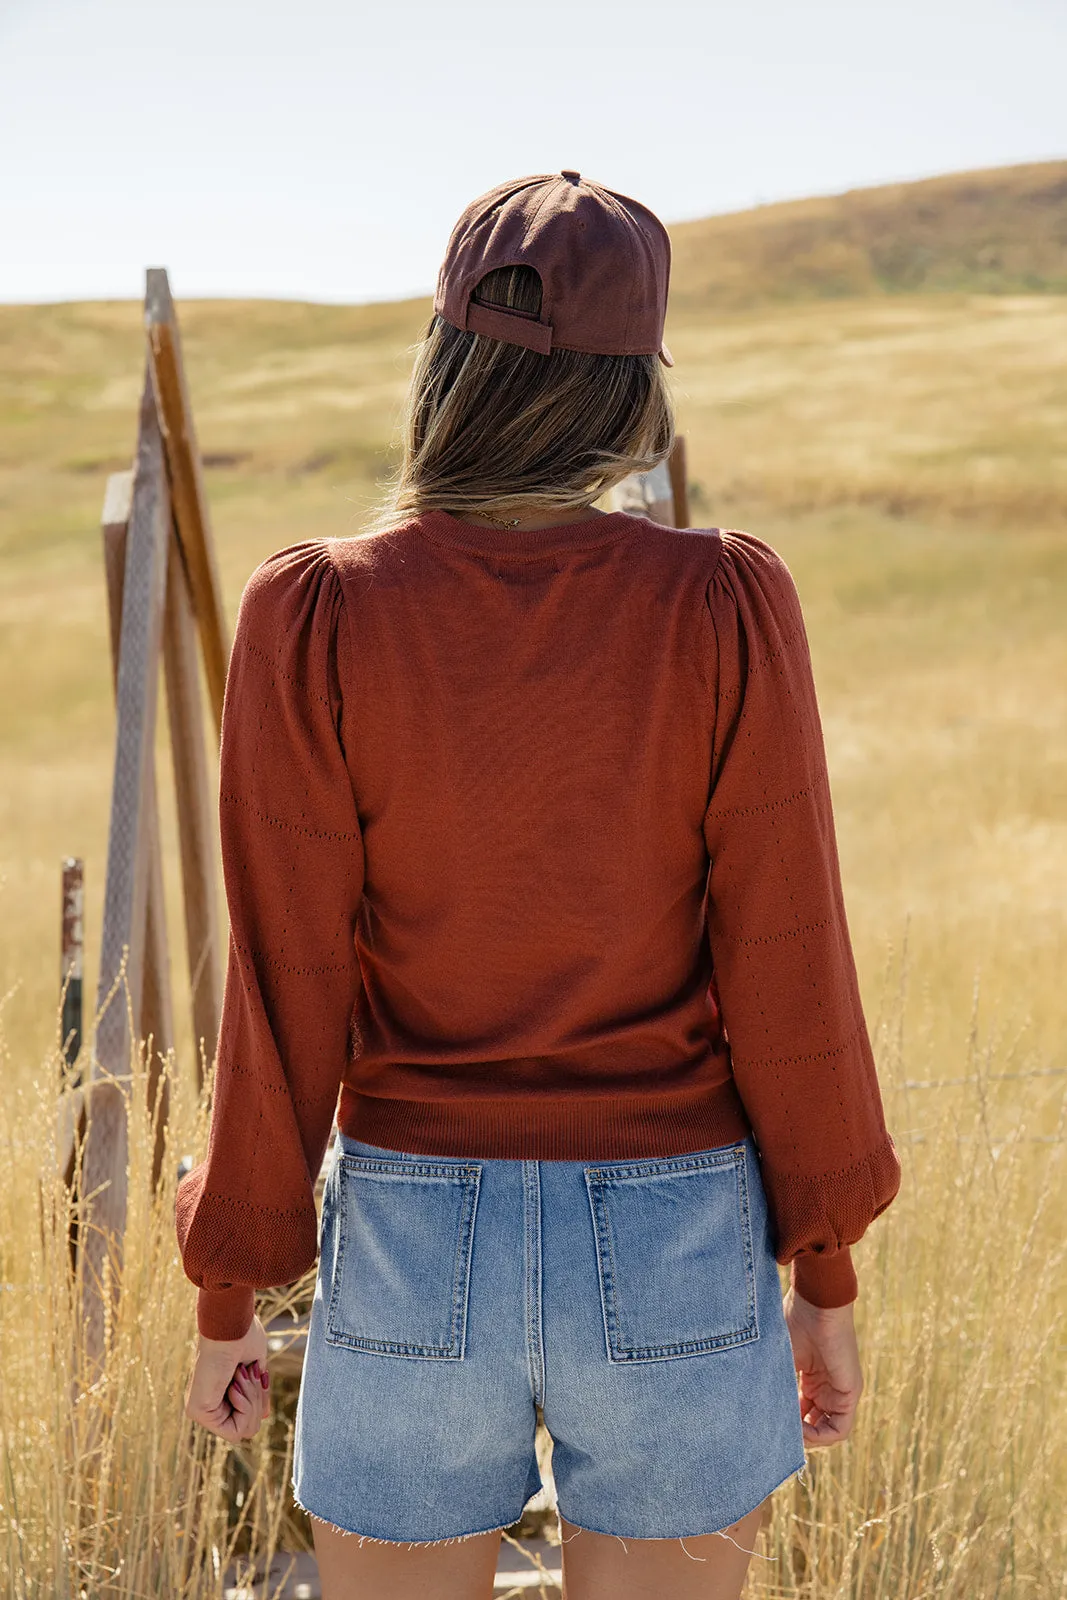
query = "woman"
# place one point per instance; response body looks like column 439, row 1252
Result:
column 529, row 852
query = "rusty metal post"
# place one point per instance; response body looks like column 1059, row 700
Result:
column 71, row 960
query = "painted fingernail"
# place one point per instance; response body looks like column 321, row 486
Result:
column 264, row 1379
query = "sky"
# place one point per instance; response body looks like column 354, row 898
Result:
column 323, row 151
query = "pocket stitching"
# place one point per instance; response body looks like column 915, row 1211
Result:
column 468, row 1179
column 601, row 1177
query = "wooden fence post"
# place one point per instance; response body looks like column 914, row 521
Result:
column 122, row 955
column 679, row 475
column 163, row 591
column 128, row 865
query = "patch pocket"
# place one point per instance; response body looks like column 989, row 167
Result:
column 402, row 1258
column 674, row 1248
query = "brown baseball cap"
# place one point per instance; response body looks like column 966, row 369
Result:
column 604, row 262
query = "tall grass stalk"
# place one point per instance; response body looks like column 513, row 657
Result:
column 953, row 1484
column 105, row 1488
column 955, row 1479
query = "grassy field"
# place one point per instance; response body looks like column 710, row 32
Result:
column 905, row 453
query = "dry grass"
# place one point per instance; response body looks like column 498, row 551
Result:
column 953, row 1483
column 905, row 455
column 952, row 1486
column 950, row 406
column 106, row 1489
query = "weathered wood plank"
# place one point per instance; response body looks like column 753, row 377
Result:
column 101, row 1221
column 102, row 1217
column 155, row 1019
column 194, row 787
column 70, row 1129
column 129, row 856
column 662, row 494
column 186, row 481
column 532, row 1564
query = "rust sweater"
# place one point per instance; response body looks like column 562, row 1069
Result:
column 528, row 851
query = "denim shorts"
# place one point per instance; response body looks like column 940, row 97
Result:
column 636, row 1302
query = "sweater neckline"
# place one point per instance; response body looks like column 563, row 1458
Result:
column 487, row 540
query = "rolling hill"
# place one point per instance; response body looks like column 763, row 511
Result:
column 999, row 231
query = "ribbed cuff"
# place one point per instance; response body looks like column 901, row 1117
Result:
column 825, row 1281
column 225, row 1314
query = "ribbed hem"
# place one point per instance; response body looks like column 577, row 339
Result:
column 565, row 1128
column 225, row 1314
column 825, row 1281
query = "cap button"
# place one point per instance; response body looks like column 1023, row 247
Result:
column 575, row 177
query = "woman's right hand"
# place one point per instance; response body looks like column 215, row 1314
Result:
column 229, row 1391
column 827, row 1359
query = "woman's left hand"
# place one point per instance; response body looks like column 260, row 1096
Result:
column 827, row 1360
column 229, row 1391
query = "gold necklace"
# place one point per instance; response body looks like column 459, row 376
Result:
column 497, row 521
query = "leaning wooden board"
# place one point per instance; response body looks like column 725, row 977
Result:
column 186, row 481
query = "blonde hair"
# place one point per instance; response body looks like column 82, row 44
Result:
column 496, row 430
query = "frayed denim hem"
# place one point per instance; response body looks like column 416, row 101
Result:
column 398, row 1544
column 720, row 1533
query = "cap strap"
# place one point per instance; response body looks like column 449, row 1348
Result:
column 498, row 323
